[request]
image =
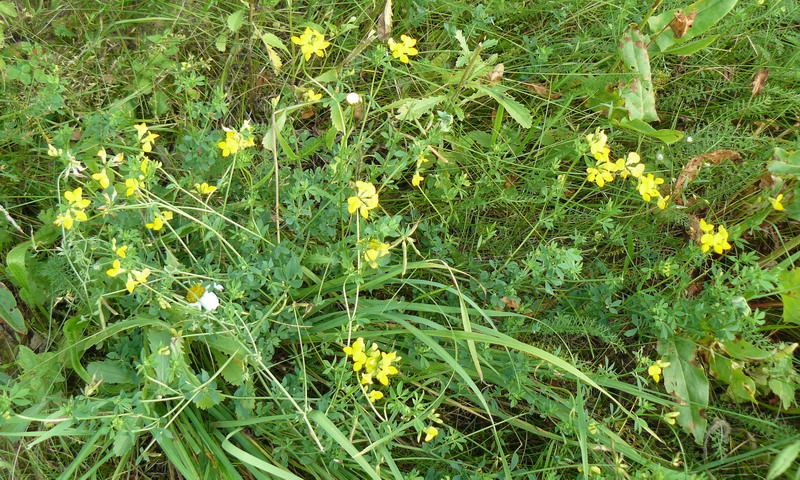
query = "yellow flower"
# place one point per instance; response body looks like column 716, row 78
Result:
column 167, row 214
column 137, row 278
column 365, row 199
column 386, row 367
column 102, row 178
column 375, row 395
column 147, row 142
column 631, row 166
column 656, row 369
column 204, row 188
column 430, row 433
column 721, row 240
column 358, row 354
column 776, row 203
column 115, row 269
column 235, row 141
column 141, row 130
column 706, row 227
column 670, row 417
column 53, row 151
column 662, row 202
column 122, row 251
column 417, row 179
column 131, row 186
column 375, row 250
column 65, row 220
column 600, row 177
column 311, row 96
column 75, row 200
column 195, row 292
column 597, row 145
column 311, row 42
column 403, row 49
column 156, row 225
column 648, row 186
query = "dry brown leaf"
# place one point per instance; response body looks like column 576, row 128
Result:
column 682, row 23
column 385, row 22
column 759, row 81
column 543, row 91
column 510, row 303
column 496, row 74
column 690, row 170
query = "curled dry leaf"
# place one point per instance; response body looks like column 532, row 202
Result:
column 690, row 170
column 496, row 74
column 759, row 81
column 511, row 303
column 682, row 23
column 543, row 91
column 385, row 22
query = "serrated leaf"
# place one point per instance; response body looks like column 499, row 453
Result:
column 640, row 100
column 271, row 40
column 709, row 12
column 123, row 441
column 783, row 461
column 517, row 110
column 688, row 383
column 665, row 135
column 274, row 58
column 337, row 115
column 207, row 398
column 410, row 109
column 221, row 43
column 235, row 21
column 9, row 313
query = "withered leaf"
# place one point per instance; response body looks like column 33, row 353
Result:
column 690, row 170
column 543, row 91
column 511, row 303
column 759, row 81
column 385, row 22
column 682, row 23
column 496, row 74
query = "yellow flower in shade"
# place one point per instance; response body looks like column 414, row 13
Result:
column 102, row 178
column 656, row 369
column 776, row 203
column 204, row 188
column 312, row 96
column 375, row 250
column 131, row 187
column 375, row 395
column 358, row 354
column 75, row 200
column 404, row 48
column 417, row 179
column 136, row 277
column 141, row 130
column 235, row 141
column 167, row 214
column 430, row 433
column 116, row 269
column 648, row 186
column 53, row 151
column 670, row 417
column 311, row 42
column 64, row 220
column 600, row 177
column 662, row 202
column 366, row 199
column 122, row 251
column 147, row 142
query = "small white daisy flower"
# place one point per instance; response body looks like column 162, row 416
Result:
column 353, row 98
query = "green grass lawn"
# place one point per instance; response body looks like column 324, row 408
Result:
column 408, row 239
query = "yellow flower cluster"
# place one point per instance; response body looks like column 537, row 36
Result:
column 146, row 137
column 404, row 48
column 76, row 209
column 135, row 277
column 311, row 42
column 205, row 188
column 365, row 199
column 236, row 140
column 605, row 171
column 375, row 364
column 417, row 179
column 159, row 220
column 717, row 240
column 375, row 250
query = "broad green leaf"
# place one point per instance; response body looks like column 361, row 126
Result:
column 784, row 389
column 337, row 115
column 235, row 20
column 17, row 268
column 410, row 109
column 638, row 93
column 110, row 371
column 665, row 135
column 123, row 441
column 517, row 110
column 783, row 460
column 709, row 12
column 207, row 398
column 8, row 9
column 789, row 281
column 741, row 388
column 9, row 313
column 743, row 350
column 691, row 47
column 221, row 43
column 684, row 379
column 271, row 40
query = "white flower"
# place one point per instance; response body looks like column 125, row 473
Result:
column 208, row 299
column 353, row 98
column 689, row 139
column 660, row 157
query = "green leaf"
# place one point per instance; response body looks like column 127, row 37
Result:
column 688, row 383
column 517, row 110
column 638, row 93
column 789, row 281
column 691, row 47
column 9, row 312
column 783, row 460
column 323, row 421
column 709, row 12
column 410, row 109
column 271, row 40
column 665, row 135
column 207, row 398
column 254, row 461
column 110, row 371
column 221, row 43
column 743, row 350
column 123, row 441
column 235, row 21
column 337, row 115
column 7, row 9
